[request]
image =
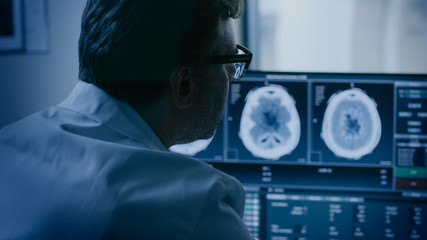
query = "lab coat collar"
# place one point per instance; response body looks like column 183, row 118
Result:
column 96, row 104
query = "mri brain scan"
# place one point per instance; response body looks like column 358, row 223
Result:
column 351, row 124
column 192, row 148
column 270, row 125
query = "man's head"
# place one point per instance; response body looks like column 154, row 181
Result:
column 140, row 51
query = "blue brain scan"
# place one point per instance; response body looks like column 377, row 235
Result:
column 351, row 125
column 270, row 125
column 191, row 149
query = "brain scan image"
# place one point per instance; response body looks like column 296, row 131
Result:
column 270, row 125
column 192, row 148
column 351, row 125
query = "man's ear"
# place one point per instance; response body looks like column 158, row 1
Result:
column 182, row 84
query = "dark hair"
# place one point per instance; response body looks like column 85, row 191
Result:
column 130, row 46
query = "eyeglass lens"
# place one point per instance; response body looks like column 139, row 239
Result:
column 240, row 69
column 236, row 70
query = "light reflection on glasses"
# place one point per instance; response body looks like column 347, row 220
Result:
column 236, row 64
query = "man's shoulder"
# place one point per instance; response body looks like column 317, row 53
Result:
column 169, row 194
column 154, row 164
column 175, row 177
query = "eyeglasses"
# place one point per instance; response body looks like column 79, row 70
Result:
column 236, row 64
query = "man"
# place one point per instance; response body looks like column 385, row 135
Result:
column 154, row 74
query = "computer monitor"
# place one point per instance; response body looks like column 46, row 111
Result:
column 326, row 155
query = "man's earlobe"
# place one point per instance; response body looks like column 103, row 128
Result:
column 182, row 87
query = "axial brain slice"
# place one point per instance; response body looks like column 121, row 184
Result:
column 270, row 119
column 270, row 125
column 351, row 125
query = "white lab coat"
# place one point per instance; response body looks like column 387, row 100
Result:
column 91, row 168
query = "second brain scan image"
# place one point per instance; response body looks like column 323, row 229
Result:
column 270, row 121
column 349, row 121
column 351, row 125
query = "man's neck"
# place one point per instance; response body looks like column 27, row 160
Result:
column 156, row 115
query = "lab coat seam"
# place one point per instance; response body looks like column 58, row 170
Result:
column 207, row 197
column 117, row 193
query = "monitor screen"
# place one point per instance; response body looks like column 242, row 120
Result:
column 326, row 155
